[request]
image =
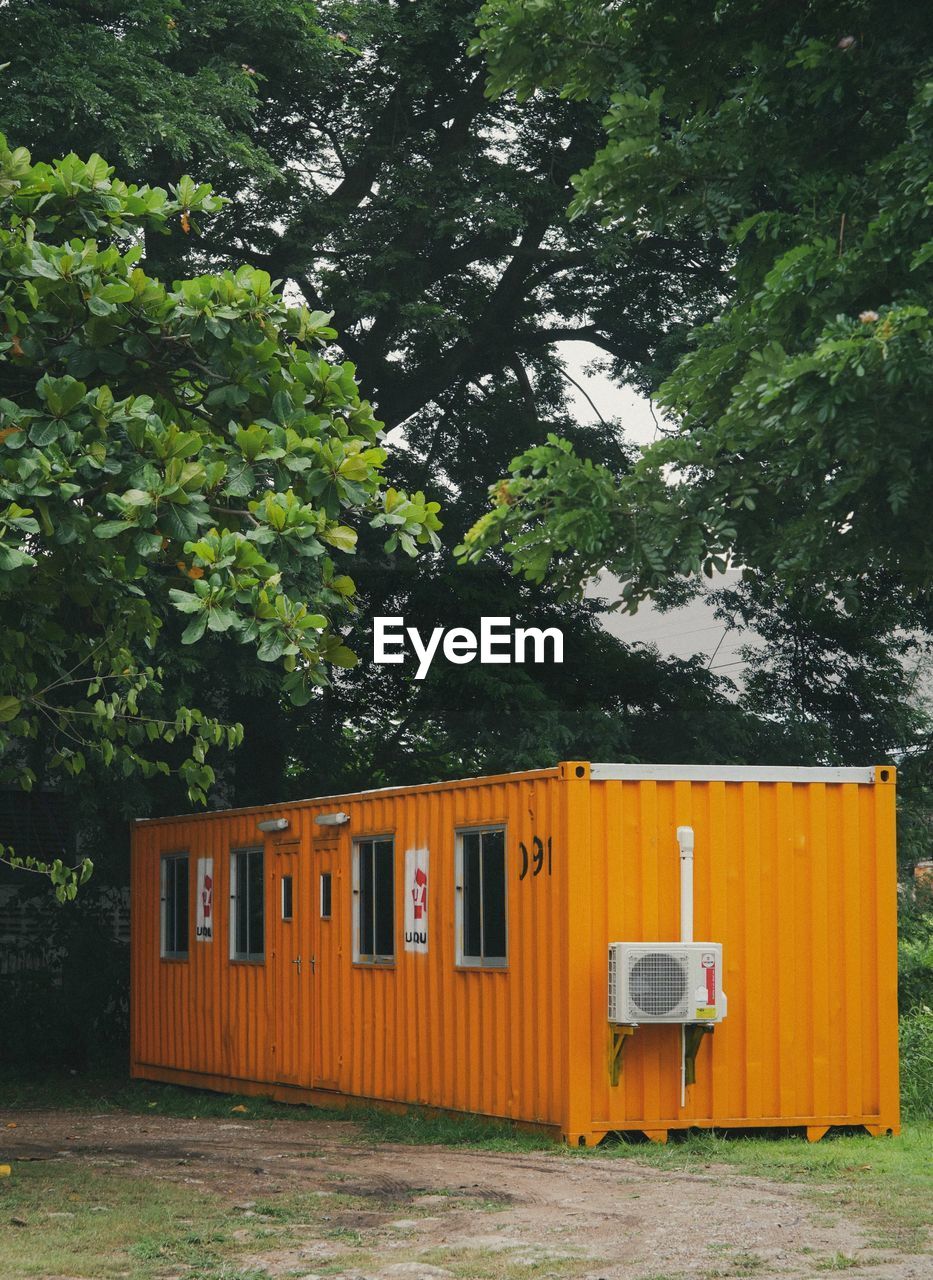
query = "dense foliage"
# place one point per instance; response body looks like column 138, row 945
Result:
column 386, row 187
column 367, row 166
column 798, row 138
column 156, row 86
column 167, row 456
column 371, row 170
column 843, row 686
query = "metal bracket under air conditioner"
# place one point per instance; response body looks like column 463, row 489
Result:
column 693, row 1038
column 693, row 1034
column 618, row 1038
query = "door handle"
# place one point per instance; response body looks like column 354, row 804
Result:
column 298, row 963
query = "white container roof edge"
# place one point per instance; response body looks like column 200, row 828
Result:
column 598, row 773
column 726, row 773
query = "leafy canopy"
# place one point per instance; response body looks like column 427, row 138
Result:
column 170, row 457
column 430, row 219
column 798, row 137
column 157, row 86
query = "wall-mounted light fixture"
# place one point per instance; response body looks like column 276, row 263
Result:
column 332, row 819
column 273, row 824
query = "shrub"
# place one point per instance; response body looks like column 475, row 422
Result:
column 915, row 948
column 916, row 1036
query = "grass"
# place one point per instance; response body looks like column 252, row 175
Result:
column 916, row 1050
column 69, row 1218
column 107, row 1092
column 62, row 1217
column 740, row 1265
column 887, row 1183
column 491, row 1264
column 424, row 1127
column 113, row 1223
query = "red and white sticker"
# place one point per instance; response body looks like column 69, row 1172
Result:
column 708, row 961
column 204, row 930
column 416, row 900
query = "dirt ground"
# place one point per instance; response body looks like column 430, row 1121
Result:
column 598, row 1218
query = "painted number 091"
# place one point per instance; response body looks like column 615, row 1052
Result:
column 536, row 862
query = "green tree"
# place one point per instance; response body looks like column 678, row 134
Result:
column 430, row 219
column 386, row 185
column 157, row 85
column 173, row 461
column 797, row 138
column 844, row 687
column 379, row 180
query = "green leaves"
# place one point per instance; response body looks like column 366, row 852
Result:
column 802, row 407
column 341, row 537
column 251, row 441
column 60, row 394
column 195, row 628
column 341, row 656
column 9, row 708
column 137, row 498
column 413, row 520
column 13, row 558
column 65, row 880
column 110, row 529
column 185, row 601
column 187, row 484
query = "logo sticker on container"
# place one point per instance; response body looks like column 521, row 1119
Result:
column 416, row 900
column 205, row 916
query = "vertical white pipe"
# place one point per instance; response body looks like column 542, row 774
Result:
column 685, row 842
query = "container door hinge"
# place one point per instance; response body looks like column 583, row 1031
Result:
column 618, row 1038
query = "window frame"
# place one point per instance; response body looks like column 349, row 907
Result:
column 482, row 962
column 290, row 880
column 377, row 960
column 164, row 859
column 246, row 957
column 329, row 913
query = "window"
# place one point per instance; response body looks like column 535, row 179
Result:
column 481, row 929
column 246, row 900
column 374, row 900
column 175, row 906
column 325, row 895
column 287, row 897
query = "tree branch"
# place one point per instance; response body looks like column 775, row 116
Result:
column 583, row 392
column 524, row 382
column 637, row 353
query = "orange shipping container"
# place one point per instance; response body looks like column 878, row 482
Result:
column 447, row 945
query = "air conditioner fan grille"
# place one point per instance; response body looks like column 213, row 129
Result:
column 657, row 984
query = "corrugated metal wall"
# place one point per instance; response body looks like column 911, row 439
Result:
column 421, row 1030
column 798, row 882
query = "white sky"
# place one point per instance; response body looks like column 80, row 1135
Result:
column 612, row 401
column 682, row 633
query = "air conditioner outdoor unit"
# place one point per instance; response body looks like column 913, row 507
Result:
column 674, row 982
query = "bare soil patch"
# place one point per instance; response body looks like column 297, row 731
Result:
column 383, row 1210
